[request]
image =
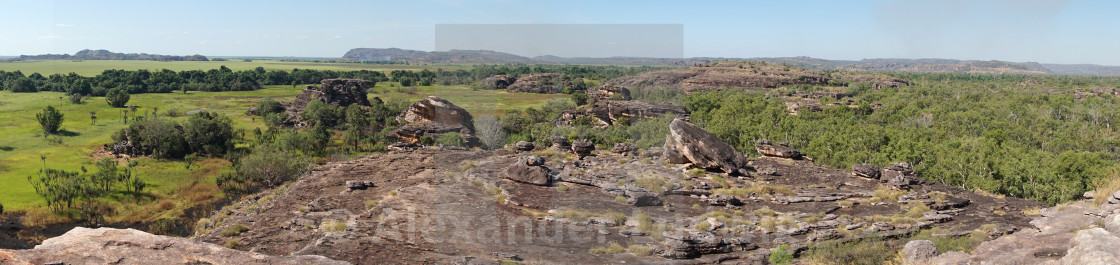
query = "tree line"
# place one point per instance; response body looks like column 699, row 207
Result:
column 166, row 81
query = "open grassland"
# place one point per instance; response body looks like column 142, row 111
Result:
column 22, row 143
column 94, row 67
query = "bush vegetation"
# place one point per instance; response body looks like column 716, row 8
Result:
column 1025, row 136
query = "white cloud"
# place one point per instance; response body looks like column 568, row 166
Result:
column 337, row 37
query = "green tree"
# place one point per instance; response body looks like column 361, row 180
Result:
column 317, row 112
column 50, row 119
column 579, row 98
column 117, row 97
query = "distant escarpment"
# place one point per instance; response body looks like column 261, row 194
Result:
column 452, row 56
column 107, row 55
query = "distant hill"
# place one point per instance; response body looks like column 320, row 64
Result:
column 107, row 55
column 452, row 56
column 868, row 65
column 1083, row 69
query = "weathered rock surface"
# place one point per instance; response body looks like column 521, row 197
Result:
column 433, row 116
column 704, row 150
column 128, row 246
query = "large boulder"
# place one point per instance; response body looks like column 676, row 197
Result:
column 529, row 169
column 433, row 116
column 701, row 148
column 582, row 148
column 918, row 252
column 127, row 246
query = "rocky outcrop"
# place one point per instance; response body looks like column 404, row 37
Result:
column 529, row 169
column 898, row 176
column 128, row 246
column 498, row 81
column 544, row 83
column 560, row 143
column 865, row 170
column 782, row 150
column 523, row 146
column 433, row 116
column 687, row 142
column 624, row 148
column 610, row 91
column 608, row 112
column 337, row 92
column 582, row 148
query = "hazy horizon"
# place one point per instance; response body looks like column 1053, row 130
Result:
column 1044, row 31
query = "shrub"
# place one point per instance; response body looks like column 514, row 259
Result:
column 613, row 248
column 232, row 243
column 490, row 133
column 580, row 99
column 268, row 106
column 639, row 251
column 77, row 98
column 234, row 230
column 371, row 203
column 451, row 139
column 782, row 255
column 209, row 133
column 117, row 97
column 50, row 119
column 865, row 251
column 270, row 167
column 333, row 226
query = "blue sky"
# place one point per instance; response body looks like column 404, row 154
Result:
column 1049, row 31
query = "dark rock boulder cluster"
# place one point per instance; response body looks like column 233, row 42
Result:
column 899, row 176
column 613, row 103
column 544, row 83
column 498, row 81
column 781, row 150
column 337, row 92
column 582, row 148
column 688, row 142
column 432, row 117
